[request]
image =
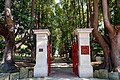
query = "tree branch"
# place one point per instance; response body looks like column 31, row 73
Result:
column 99, row 38
column 27, row 33
column 105, row 16
column 22, row 41
column 17, row 32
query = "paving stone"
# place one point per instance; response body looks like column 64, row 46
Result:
column 103, row 74
column 23, row 73
column 4, row 76
column 63, row 79
column 30, row 75
column 38, row 79
column 14, row 76
column 97, row 79
column 119, row 75
column 114, row 76
column 96, row 74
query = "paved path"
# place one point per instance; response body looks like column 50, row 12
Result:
column 62, row 71
column 66, row 73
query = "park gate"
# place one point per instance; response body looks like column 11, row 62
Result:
column 80, row 53
column 75, row 57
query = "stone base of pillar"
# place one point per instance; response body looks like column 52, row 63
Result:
column 85, row 71
column 40, row 71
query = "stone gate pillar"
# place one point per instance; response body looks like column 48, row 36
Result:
column 41, row 66
column 85, row 68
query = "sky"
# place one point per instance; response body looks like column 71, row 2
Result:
column 57, row 1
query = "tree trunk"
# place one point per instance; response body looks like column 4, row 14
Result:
column 115, row 45
column 88, row 14
column 117, row 65
column 8, row 64
column 118, row 3
column 100, row 39
column 32, row 24
column 114, row 35
column 79, row 22
column 83, row 16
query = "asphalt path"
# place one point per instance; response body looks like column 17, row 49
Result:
column 62, row 72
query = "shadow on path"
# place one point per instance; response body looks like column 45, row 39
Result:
column 62, row 72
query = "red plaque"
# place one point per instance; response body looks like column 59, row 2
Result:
column 84, row 49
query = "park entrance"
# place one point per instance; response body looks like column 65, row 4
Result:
column 79, row 65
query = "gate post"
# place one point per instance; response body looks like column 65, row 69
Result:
column 85, row 68
column 41, row 66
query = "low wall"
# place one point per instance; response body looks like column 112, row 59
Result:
column 104, row 74
column 23, row 73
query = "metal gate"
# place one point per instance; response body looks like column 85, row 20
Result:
column 49, row 58
column 75, row 57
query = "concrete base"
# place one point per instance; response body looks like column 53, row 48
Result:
column 85, row 71
column 40, row 71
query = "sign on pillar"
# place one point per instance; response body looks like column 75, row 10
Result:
column 84, row 67
column 41, row 66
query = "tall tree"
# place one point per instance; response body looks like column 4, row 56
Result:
column 7, row 30
column 111, row 43
column 99, row 38
column 114, row 35
column 8, row 64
